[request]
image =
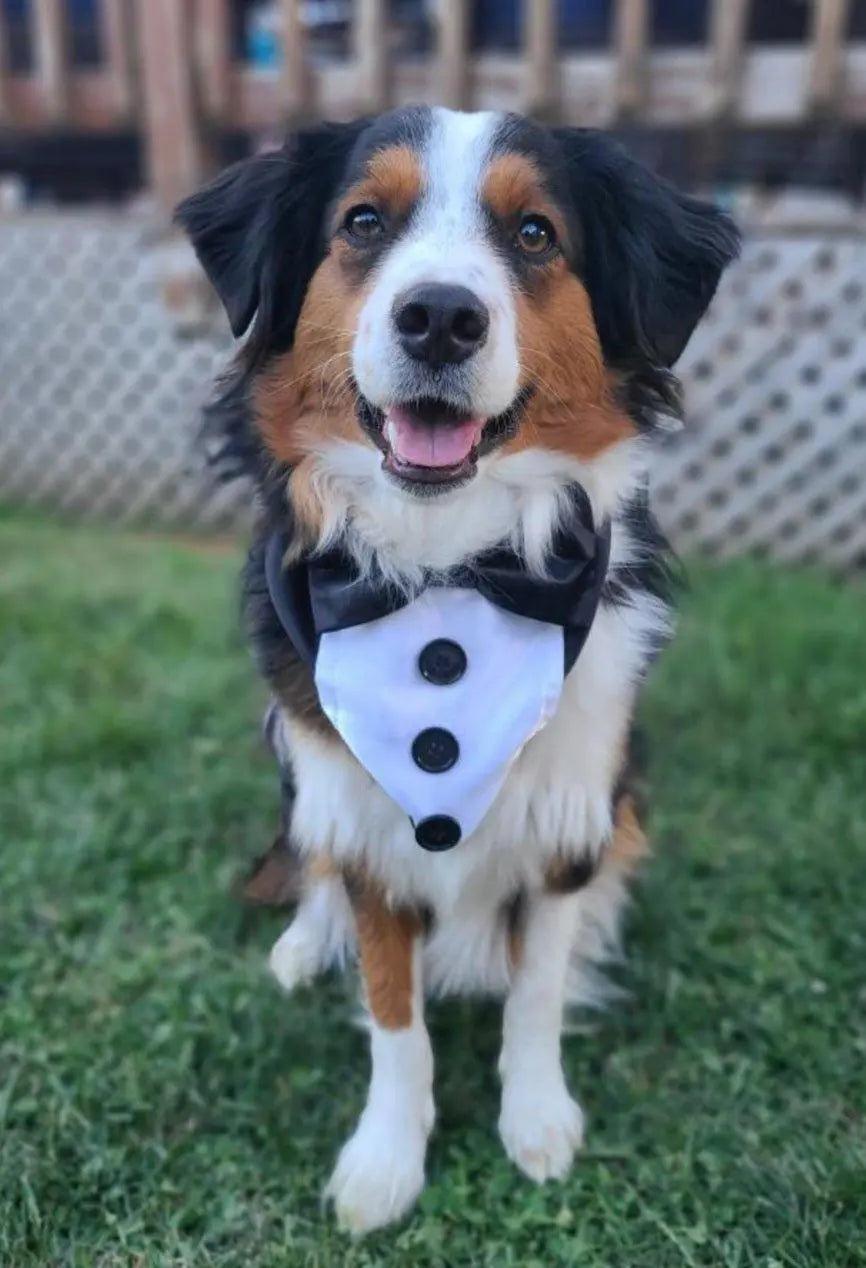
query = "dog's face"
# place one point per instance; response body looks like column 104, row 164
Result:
column 444, row 288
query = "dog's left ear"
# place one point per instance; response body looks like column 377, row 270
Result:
column 258, row 229
column 652, row 256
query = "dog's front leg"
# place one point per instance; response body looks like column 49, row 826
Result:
column 540, row 1125
column 380, row 1170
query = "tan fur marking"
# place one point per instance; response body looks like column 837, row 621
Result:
column 393, row 184
column 320, row 868
column 516, row 942
column 385, row 940
column 513, row 187
column 629, row 844
column 572, row 408
column 304, row 396
column 623, row 853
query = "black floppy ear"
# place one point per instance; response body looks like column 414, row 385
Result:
column 652, row 256
column 257, row 229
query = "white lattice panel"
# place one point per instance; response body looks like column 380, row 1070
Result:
column 100, row 395
column 773, row 457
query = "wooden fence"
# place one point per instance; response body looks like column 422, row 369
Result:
column 168, row 71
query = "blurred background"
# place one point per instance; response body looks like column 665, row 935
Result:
column 159, row 1104
column 111, row 110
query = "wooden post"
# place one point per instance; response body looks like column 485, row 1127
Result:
column 541, row 88
column 369, row 45
column 631, row 26
column 829, row 23
column 728, row 21
column 175, row 148
column 214, row 56
column 452, row 48
column 51, row 53
column 117, row 37
column 298, row 85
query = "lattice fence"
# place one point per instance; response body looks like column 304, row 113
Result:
column 100, row 394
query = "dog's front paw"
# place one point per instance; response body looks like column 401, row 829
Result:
column 379, row 1173
column 541, row 1127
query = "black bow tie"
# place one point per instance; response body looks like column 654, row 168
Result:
column 326, row 592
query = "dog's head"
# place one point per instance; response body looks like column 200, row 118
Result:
column 446, row 288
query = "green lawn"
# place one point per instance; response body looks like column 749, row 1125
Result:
column 162, row 1104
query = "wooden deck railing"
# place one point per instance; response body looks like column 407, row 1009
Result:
column 167, row 70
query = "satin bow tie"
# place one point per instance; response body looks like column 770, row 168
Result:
column 326, row 592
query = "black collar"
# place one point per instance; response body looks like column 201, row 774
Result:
column 326, row 592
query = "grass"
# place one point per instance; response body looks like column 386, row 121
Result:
column 161, row 1104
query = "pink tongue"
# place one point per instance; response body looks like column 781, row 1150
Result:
column 430, row 444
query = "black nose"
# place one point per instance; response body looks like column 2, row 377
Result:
column 440, row 324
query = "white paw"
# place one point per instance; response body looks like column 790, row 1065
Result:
column 296, row 956
column 379, row 1173
column 541, row 1127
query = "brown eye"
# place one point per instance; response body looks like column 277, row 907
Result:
column 536, row 235
column 363, row 223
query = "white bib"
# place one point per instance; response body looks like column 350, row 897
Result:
column 441, row 748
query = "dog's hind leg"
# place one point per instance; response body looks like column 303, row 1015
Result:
column 321, row 933
column 380, row 1170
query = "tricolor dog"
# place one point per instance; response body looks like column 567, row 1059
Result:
column 459, row 330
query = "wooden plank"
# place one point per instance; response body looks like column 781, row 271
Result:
column 771, row 94
column 829, row 24
column 213, row 52
column 631, row 30
column 452, row 53
column 370, row 51
column 92, row 104
column 116, row 26
column 51, row 53
column 298, row 84
column 174, row 143
column 728, row 25
column 539, row 52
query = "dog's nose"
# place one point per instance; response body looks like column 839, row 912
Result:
column 440, row 324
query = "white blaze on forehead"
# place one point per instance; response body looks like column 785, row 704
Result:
column 445, row 241
column 458, row 151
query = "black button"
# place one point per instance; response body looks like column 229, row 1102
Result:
column 437, row 832
column 435, row 750
column 442, row 662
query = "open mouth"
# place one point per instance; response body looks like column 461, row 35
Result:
column 429, row 442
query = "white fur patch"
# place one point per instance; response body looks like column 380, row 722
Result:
column 320, row 936
column 446, row 242
column 380, row 1170
column 540, row 1125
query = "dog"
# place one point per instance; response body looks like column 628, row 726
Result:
column 459, row 333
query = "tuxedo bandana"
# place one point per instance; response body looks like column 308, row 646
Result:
column 437, row 695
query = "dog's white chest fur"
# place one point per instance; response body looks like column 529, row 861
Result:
column 440, row 744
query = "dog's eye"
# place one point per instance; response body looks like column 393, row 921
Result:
column 536, row 235
column 363, row 223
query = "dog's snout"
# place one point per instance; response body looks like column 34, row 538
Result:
column 441, row 324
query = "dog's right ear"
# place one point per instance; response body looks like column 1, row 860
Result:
column 257, row 229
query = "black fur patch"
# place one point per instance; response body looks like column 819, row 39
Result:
column 570, row 875
column 259, row 231
column 652, row 569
